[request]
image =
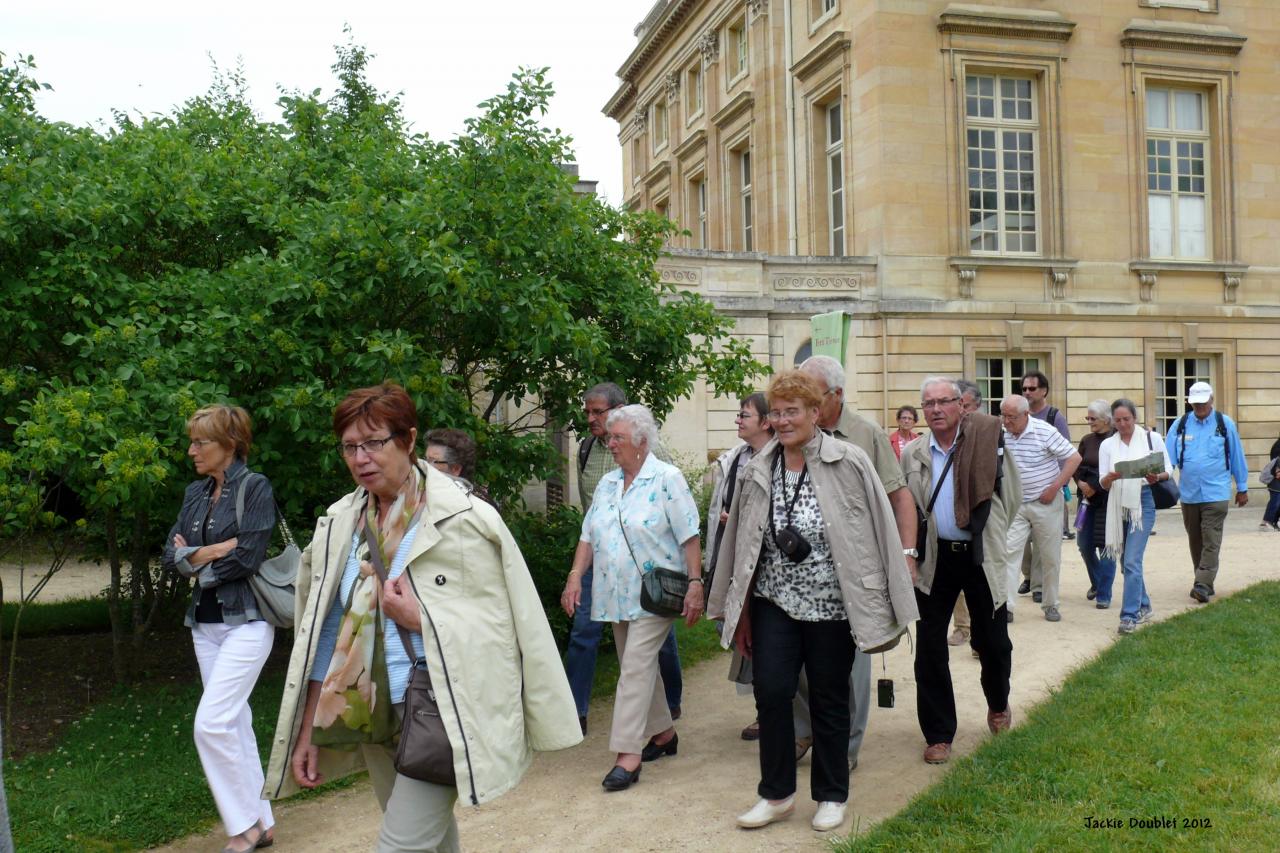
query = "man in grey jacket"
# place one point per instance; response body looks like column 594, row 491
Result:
column 968, row 489
column 845, row 424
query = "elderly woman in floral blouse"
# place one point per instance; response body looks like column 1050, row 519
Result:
column 641, row 518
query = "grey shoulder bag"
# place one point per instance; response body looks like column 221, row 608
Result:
column 273, row 582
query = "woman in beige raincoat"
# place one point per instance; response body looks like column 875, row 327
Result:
column 459, row 586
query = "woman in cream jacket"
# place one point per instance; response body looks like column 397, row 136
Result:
column 459, row 585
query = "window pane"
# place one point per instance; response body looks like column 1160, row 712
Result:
column 1187, row 110
column 834, row 128
column 1191, row 237
column 1160, row 216
column 1158, row 109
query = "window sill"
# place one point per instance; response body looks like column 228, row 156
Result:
column 826, row 18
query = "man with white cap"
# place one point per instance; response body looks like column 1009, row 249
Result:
column 1204, row 445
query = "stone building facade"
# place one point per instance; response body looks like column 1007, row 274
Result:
column 1086, row 187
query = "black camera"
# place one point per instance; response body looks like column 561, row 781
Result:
column 792, row 545
column 884, row 692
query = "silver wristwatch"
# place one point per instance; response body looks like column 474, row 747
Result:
column 911, row 552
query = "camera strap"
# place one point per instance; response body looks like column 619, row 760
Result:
column 777, row 464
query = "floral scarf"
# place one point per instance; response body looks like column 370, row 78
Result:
column 1124, row 504
column 355, row 704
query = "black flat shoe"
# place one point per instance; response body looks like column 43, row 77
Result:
column 1092, row 593
column 620, row 779
column 653, row 751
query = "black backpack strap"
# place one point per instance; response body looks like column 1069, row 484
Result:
column 1226, row 441
column 584, row 452
column 1051, row 417
column 1181, row 429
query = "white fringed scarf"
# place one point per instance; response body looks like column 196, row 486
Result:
column 1124, row 503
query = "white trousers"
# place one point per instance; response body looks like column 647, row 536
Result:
column 230, row 657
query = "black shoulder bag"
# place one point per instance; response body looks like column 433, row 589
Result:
column 1165, row 493
column 661, row 590
column 922, row 518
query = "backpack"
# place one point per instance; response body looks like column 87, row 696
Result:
column 584, row 452
column 1221, row 429
column 273, row 582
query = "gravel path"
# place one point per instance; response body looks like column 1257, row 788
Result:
column 689, row 802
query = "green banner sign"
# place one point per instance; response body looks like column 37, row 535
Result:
column 830, row 334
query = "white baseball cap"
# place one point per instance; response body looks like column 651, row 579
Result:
column 1201, row 392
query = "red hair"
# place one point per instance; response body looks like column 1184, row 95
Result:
column 386, row 405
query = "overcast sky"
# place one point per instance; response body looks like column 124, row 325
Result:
column 148, row 56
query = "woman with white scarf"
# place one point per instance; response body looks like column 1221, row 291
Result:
column 1131, row 510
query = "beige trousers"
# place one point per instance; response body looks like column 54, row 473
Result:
column 1042, row 524
column 961, row 614
column 417, row 817
column 640, row 706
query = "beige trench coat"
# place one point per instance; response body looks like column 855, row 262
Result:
column 918, row 467
column 495, row 667
column 860, row 528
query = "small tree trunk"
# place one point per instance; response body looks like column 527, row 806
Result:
column 119, row 662
column 13, row 672
column 140, row 583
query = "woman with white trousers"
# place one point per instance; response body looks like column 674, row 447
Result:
column 232, row 640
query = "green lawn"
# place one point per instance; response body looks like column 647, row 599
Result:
column 126, row 775
column 1176, row 726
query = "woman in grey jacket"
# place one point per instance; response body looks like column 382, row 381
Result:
column 231, row 638
column 810, row 565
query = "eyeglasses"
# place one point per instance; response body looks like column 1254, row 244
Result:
column 620, row 438
column 1090, row 418
column 938, row 404
column 785, row 414
column 597, row 412
column 742, row 416
column 370, row 447
column 201, row 443
column 439, row 463
column 1026, row 388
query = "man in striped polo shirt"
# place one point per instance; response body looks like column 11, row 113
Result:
column 1045, row 462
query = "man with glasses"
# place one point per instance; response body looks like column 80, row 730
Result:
column 839, row 420
column 594, row 461
column 968, row 489
column 1045, row 462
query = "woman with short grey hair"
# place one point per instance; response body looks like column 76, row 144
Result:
column 644, row 429
column 1091, row 521
column 643, row 517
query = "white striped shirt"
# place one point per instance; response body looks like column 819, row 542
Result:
column 1037, row 453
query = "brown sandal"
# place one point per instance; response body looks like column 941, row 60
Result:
column 264, row 838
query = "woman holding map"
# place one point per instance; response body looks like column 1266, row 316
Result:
column 1131, row 510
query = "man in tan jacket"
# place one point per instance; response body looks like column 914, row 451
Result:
column 847, row 425
column 968, row 490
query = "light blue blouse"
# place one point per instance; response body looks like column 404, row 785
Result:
column 660, row 516
column 398, row 664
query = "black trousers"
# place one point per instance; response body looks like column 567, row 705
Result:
column 780, row 647
column 935, row 700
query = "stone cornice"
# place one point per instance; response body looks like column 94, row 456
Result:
column 696, row 139
column 1189, row 38
column 618, row 103
column 973, row 19
column 742, row 101
column 833, row 44
column 656, row 36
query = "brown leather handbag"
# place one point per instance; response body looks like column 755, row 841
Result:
column 424, row 752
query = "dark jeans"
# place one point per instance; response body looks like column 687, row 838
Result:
column 584, row 641
column 1272, row 512
column 935, row 700
column 1102, row 570
column 780, row 647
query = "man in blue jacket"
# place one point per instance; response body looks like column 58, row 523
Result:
column 1204, row 445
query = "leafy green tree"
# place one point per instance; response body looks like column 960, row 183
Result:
column 210, row 255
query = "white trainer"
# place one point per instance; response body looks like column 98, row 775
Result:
column 764, row 813
column 829, row 816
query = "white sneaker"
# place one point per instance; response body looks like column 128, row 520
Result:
column 764, row 813
column 829, row 816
